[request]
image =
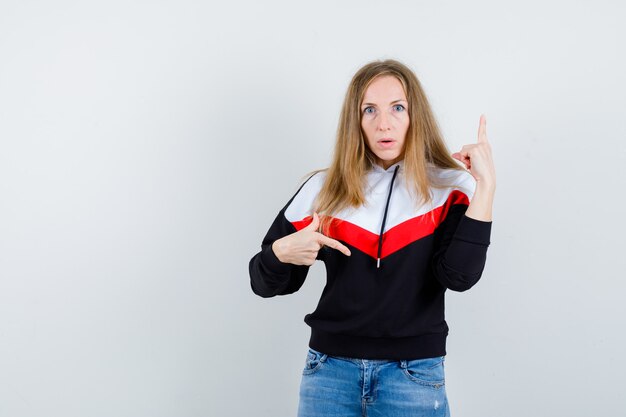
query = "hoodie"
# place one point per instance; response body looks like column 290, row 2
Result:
column 386, row 300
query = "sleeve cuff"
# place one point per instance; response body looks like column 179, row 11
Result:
column 271, row 262
column 474, row 231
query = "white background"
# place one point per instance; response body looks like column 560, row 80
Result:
column 146, row 147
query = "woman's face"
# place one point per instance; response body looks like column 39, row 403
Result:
column 385, row 119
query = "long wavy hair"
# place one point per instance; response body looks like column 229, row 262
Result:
column 344, row 185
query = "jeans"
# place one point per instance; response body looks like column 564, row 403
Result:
column 347, row 387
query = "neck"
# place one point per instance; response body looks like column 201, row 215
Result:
column 386, row 164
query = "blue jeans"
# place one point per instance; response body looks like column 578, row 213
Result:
column 347, row 387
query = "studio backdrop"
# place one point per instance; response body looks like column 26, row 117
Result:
column 146, row 147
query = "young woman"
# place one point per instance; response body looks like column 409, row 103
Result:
column 397, row 221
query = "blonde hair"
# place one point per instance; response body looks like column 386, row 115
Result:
column 345, row 178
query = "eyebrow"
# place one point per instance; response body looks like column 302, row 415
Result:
column 373, row 104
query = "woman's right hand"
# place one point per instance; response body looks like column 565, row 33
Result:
column 301, row 247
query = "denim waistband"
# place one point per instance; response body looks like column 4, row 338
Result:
column 355, row 360
column 362, row 361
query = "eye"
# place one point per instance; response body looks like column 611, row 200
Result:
column 365, row 110
column 400, row 106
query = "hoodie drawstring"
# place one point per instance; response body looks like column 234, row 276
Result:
column 382, row 228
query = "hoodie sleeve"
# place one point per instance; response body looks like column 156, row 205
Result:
column 268, row 275
column 461, row 244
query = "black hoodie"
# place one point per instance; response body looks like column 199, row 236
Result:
column 386, row 300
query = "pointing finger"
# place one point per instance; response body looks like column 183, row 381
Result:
column 335, row 244
column 482, row 129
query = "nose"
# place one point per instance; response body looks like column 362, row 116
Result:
column 383, row 122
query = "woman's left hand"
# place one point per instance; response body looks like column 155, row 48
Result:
column 477, row 157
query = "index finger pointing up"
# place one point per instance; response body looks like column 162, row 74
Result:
column 482, row 129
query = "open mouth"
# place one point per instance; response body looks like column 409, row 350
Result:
column 386, row 143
